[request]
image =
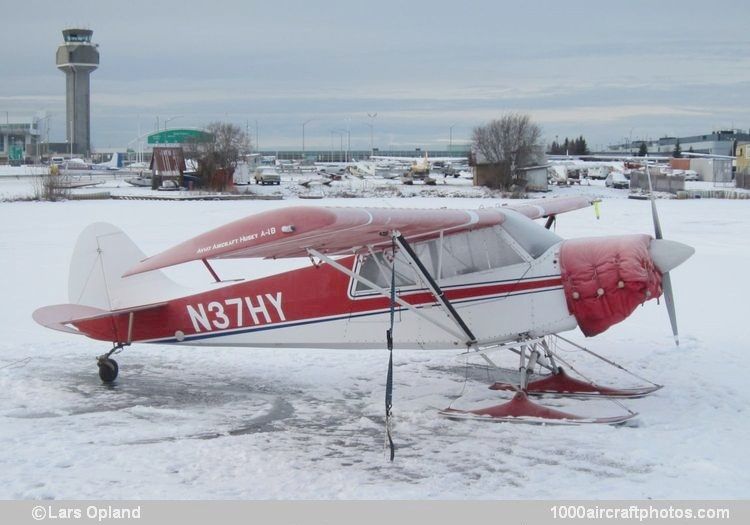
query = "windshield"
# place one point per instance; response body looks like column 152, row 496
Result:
column 532, row 237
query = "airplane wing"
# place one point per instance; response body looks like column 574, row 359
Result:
column 289, row 232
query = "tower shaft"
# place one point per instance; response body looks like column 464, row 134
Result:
column 77, row 57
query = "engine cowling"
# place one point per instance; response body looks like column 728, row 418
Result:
column 606, row 278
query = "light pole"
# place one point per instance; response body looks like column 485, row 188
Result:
column 372, row 127
column 39, row 135
column 348, row 137
column 166, row 121
column 630, row 142
column 46, row 129
column 450, row 137
column 305, row 123
column 340, row 133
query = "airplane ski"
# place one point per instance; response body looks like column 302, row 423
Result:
column 560, row 383
column 521, row 409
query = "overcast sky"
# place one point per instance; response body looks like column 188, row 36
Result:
column 605, row 70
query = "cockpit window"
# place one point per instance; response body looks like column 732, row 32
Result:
column 476, row 251
column 455, row 254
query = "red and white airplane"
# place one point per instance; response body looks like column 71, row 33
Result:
column 433, row 279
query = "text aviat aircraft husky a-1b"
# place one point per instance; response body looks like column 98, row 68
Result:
column 444, row 278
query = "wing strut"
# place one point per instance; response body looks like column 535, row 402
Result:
column 389, row 339
column 211, row 270
column 437, row 292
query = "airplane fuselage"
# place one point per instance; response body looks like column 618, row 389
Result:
column 320, row 307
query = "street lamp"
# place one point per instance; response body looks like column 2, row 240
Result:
column 305, row 123
column 166, row 121
column 257, row 137
column 39, row 134
column 340, row 133
column 630, row 142
column 372, row 127
column 348, row 137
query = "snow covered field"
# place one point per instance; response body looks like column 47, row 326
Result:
column 300, row 424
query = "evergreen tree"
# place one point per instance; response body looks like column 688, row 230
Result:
column 575, row 146
column 677, row 152
column 643, row 150
column 581, row 148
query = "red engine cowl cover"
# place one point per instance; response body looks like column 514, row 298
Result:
column 605, row 279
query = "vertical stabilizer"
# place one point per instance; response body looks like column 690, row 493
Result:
column 102, row 254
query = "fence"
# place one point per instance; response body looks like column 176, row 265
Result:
column 666, row 183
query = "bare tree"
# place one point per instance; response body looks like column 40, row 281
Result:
column 218, row 157
column 511, row 142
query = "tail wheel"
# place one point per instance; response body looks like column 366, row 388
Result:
column 108, row 369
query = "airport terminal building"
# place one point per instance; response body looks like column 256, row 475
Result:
column 714, row 143
column 19, row 141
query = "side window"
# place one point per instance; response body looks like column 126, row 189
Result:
column 456, row 254
column 477, row 251
column 377, row 269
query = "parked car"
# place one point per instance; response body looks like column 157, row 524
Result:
column 690, row 175
column 265, row 175
column 617, row 180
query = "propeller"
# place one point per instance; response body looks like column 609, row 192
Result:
column 666, row 256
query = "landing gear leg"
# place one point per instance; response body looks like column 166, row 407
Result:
column 108, row 368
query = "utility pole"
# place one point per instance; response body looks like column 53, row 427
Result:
column 450, row 137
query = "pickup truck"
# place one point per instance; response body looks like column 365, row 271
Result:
column 265, row 175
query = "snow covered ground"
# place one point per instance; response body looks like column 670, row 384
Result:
column 301, row 424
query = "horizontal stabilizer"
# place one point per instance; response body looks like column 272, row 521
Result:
column 61, row 316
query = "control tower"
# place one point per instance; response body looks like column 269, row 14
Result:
column 77, row 57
